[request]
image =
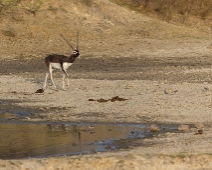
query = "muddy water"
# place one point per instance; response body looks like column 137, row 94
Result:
column 43, row 140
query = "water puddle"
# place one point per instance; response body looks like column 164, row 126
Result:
column 26, row 140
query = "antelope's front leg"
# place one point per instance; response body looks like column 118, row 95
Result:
column 64, row 76
column 45, row 82
column 67, row 78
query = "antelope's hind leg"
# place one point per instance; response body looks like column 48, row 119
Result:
column 65, row 75
column 67, row 79
column 50, row 72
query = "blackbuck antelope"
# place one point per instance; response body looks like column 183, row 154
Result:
column 61, row 62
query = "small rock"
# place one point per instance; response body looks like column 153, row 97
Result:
column 199, row 126
column 200, row 132
column 74, row 144
column 108, row 147
column 183, row 128
column 42, row 109
column 121, row 138
column 186, row 159
column 27, row 118
column 40, row 91
column 170, row 91
column 154, row 128
column 205, row 89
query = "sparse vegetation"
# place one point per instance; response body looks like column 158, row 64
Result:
column 33, row 7
column 88, row 2
column 7, row 4
column 9, row 32
column 198, row 8
column 168, row 9
column 181, row 155
column 185, row 12
column 51, row 8
column 15, row 16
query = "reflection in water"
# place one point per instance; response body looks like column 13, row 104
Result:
column 41, row 140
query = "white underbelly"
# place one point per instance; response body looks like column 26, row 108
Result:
column 58, row 65
column 66, row 65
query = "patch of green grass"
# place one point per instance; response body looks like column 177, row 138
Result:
column 12, row 163
column 32, row 8
column 7, row 4
column 210, row 154
column 129, row 156
column 181, row 155
column 51, row 8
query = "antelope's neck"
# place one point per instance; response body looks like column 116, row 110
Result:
column 71, row 59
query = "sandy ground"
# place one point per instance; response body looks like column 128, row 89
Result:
column 159, row 89
column 163, row 70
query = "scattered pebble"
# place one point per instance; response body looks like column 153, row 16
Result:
column 42, row 109
column 40, row 91
column 199, row 126
column 200, row 132
column 183, row 128
column 170, row 91
column 113, row 99
column 108, row 147
column 154, row 128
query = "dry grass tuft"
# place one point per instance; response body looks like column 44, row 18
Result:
column 195, row 13
column 9, row 32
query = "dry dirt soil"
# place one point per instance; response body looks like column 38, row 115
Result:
column 162, row 69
